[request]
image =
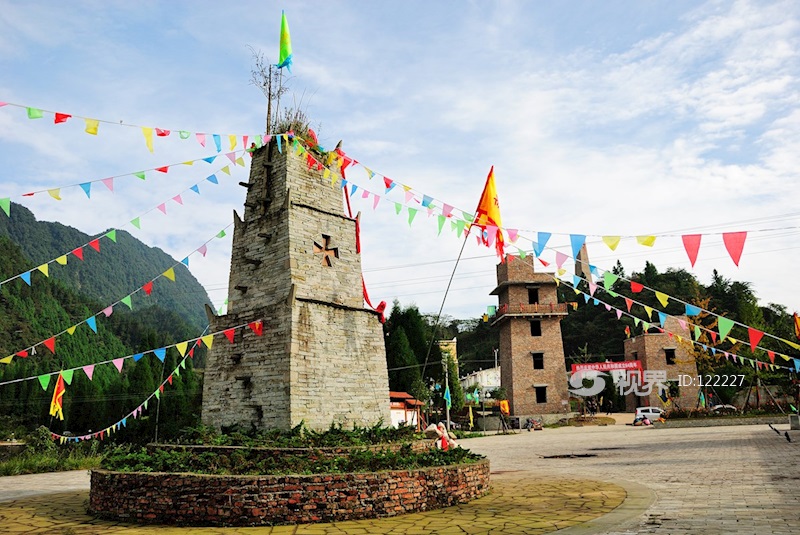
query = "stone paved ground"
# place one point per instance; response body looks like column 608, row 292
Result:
column 719, row 480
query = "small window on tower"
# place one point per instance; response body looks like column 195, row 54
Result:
column 533, row 296
column 670, row 354
column 541, row 394
column 536, row 328
column 538, row 361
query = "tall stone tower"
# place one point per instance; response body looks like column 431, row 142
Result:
column 533, row 370
column 321, row 357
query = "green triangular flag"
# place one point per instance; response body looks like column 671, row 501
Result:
column 67, row 375
column 460, row 227
column 140, row 174
column 158, row 394
column 441, row 224
column 522, row 254
column 397, row 208
column 34, row 113
column 5, row 204
column 612, row 293
column 609, row 279
column 112, row 235
column 44, row 380
column 127, row 301
column 412, row 213
column 725, row 325
column 177, row 372
column 221, row 234
column 146, row 402
column 184, row 134
column 696, row 332
column 136, row 223
column 183, row 364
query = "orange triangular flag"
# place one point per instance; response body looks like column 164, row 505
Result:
column 487, row 214
column 57, row 403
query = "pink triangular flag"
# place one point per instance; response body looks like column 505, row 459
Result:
column 177, row 198
column 202, row 249
column 232, row 157
column 446, row 210
column 108, row 310
column 619, row 313
column 560, row 259
column 109, row 182
column 118, row 364
column 201, row 138
column 163, row 208
column 375, row 200
column 734, row 243
column 691, row 242
column 89, row 370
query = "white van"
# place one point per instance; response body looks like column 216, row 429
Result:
column 651, row 413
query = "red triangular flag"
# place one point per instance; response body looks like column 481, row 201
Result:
column 161, row 133
column 163, row 169
column 771, row 355
column 161, row 389
column 78, row 252
column 95, row 244
column 734, row 243
column 755, row 337
column 50, row 344
column 191, row 352
column 628, row 303
column 691, row 242
column 636, row 287
column 229, row 334
column 61, row 117
column 169, row 379
column 713, row 335
column 257, row 327
column 23, row 353
column 148, row 287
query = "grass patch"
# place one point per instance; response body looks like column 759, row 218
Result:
column 258, row 462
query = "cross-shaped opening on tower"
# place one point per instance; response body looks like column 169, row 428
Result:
column 326, row 250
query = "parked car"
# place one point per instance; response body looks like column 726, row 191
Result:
column 724, row 409
column 651, row 413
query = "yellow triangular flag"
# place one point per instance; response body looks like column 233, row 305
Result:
column 611, row 241
column 190, row 162
column 794, row 345
column 181, row 347
column 785, row 357
column 649, row 312
column 647, row 241
column 170, row 274
column 148, row 137
column 55, row 193
column 91, row 126
column 240, row 161
column 7, row 360
column 662, row 298
column 45, row 269
column 71, row 330
column 561, row 272
column 577, row 291
column 226, row 170
column 232, row 139
column 208, row 340
column 62, row 260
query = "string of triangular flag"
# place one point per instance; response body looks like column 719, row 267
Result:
column 91, row 321
column 256, row 326
column 725, row 325
column 149, row 133
column 733, row 241
column 86, row 187
column 755, row 363
column 755, row 335
column 111, row 234
column 160, row 353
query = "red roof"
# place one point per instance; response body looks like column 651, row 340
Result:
column 400, row 395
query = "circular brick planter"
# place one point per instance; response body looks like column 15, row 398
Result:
column 211, row 500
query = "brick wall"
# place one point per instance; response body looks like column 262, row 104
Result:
column 191, row 499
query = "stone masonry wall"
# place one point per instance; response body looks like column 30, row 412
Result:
column 191, row 499
column 294, row 265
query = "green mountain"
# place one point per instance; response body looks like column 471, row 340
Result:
column 114, row 272
column 31, row 314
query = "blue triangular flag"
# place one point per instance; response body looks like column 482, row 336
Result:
column 662, row 318
column 213, row 179
column 160, row 353
column 185, row 261
column 87, row 189
column 577, row 241
column 210, row 159
column 217, row 142
column 137, row 357
column 26, row 277
column 278, row 141
column 692, row 310
column 541, row 241
column 92, row 323
column 576, row 280
column 195, row 189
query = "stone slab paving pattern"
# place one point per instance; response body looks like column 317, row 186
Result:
column 717, row 480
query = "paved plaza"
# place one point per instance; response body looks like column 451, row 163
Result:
column 618, row 480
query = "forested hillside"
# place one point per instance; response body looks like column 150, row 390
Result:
column 114, row 272
column 31, row 314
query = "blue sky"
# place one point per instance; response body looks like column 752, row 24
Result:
column 601, row 118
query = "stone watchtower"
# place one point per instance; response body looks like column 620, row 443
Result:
column 533, row 370
column 321, row 357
